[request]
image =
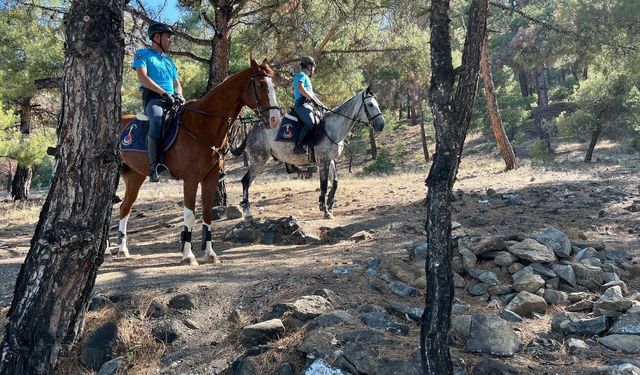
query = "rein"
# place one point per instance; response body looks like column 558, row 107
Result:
column 353, row 119
column 222, row 151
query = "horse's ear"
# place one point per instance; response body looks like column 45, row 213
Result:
column 368, row 89
column 264, row 62
column 254, row 64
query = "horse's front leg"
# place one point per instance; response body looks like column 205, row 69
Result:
column 190, row 190
column 209, row 187
column 324, row 176
column 334, row 186
column 133, row 181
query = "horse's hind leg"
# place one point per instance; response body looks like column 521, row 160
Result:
column 190, row 189
column 256, row 166
column 334, row 186
column 324, row 177
column 132, row 181
column 209, row 187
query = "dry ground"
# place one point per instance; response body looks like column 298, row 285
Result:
column 578, row 198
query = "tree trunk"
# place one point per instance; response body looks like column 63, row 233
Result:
column 55, row 282
column 21, row 183
column 494, row 112
column 219, row 66
column 543, row 105
column 423, row 136
column 9, row 176
column 374, row 147
column 594, row 140
column 22, row 178
column 523, row 82
column 451, row 106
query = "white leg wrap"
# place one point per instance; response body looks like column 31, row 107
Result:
column 189, row 222
column 123, row 250
column 208, row 250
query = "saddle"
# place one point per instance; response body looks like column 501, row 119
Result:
column 289, row 128
column 134, row 135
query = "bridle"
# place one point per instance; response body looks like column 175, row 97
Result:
column 355, row 119
column 258, row 110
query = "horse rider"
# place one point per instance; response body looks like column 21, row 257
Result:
column 304, row 100
column 160, row 87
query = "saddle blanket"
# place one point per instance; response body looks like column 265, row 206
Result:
column 134, row 136
column 289, row 130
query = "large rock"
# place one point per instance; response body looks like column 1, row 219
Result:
column 460, row 327
column 98, row 346
column 563, row 319
column 587, row 276
column 261, row 333
column 626, row 343
column 489, row 366
column 565, row 272
column 555, row 297
column 612, row 301
column 533, row 251
column 587, row 327
column 305, row 308
column 488, row 244
column 525, row 303
column 490, row 334
column 336, row 317
column 504, row 259
column 555, row 240
column 166, row 331
column 628, row 324
column 529, row 283
column 384, row 321
column 597, row 245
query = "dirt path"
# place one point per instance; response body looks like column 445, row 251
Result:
column 593, row 200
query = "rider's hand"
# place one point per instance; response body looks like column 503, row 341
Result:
column 168, row 98
column 179, row 98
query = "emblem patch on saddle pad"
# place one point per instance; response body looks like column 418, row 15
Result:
column 134, row 136
column 290, row 128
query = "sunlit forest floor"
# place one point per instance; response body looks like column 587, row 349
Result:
column 589, row 200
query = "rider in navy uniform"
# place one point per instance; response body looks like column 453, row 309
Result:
column 304, row 100
column 160, row 87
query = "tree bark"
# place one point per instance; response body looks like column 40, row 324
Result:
column 543, row 104
column 221, row 43
column 494, row 112
column 451, row 106
column 374, row 146
column 594, row 140
column 523, row 82
column 55, row 282
column 22, row 178
column 423, row 136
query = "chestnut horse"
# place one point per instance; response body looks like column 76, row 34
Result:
column 197, row 155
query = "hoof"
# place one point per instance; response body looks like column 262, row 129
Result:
column 328, row 215
column 191, row 261
column 213, row 259
column 123, row 254
column 248, row 218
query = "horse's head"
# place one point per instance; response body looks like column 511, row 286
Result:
column 261, row 94
column 370, row 111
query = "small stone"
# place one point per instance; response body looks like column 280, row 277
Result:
column 182, row 302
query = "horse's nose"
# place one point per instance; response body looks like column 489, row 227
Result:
column 274, row 121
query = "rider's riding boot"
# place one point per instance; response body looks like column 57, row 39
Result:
column 299, row 149
column 152, row 149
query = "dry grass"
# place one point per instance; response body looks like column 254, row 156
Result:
column 20, row 212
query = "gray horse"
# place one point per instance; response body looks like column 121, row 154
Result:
column 260, row 145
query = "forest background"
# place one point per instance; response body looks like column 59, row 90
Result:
column 563, row 70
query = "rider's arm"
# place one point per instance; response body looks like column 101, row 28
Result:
column 309, row 95
column 177, row 87
column 147, row 82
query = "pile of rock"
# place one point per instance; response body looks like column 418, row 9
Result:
column 271, row 231
column 527, row 274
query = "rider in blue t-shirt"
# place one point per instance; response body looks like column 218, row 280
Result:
column 304, row 100
column 160, row 87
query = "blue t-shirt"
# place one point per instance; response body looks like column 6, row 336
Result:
column 306, row 84
column 160, row 67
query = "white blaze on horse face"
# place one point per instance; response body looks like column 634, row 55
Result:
column 274, row 112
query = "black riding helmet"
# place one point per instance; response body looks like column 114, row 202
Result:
column 307, row 60
column 158, row 27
